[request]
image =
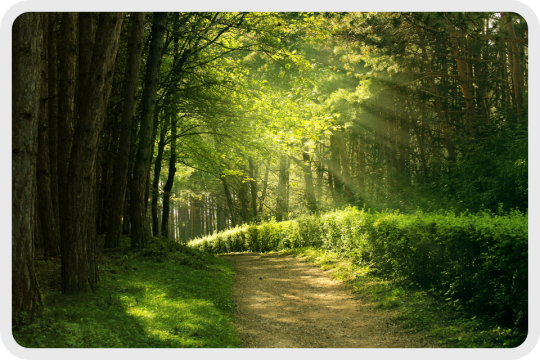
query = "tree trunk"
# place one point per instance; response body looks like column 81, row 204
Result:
column 26, row 49
column 219, row 219
column 421, row 141
column 438, row 105
column 49, row 226
column 265, row 186
column 170, row 180
column 463, row 79
column 67, row 57
column 334, row 169
column 229, row 199
column 311, row 200
column 282, row 206
column 345, row 169
column 144, row 155
column 404, row 151
column 79, row 270
column 86, row 44
column 53, row 114
column 361, row 163
column 157, row 173
column 516, row 67
column 253, row 187
column 243, row 197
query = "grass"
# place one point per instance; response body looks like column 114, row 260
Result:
column 415, row 309
column 165, row 296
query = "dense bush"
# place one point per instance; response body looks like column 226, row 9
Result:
column 477, row 260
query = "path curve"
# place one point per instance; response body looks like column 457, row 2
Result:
column 283, row 302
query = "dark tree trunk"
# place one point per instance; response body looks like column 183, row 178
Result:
column 67, row 57
column 79, row 270
column 229, row 199
column 126, row 224
column 86, row 44
column 49, row 226
column 53, row 114
column 26, row 49
column 170, row 180
column 142, row 162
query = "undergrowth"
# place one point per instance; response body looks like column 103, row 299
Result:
column 478, row 261
column 164, row 296
column 415, row 309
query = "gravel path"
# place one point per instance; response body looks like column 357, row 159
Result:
column 283, row 302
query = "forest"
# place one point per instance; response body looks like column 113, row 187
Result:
column 131, row 130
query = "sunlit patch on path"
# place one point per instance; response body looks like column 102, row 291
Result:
column 282, row 302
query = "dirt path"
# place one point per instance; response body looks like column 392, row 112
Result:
column 283, row 302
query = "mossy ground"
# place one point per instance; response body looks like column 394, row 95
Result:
column 413, row 308
column 166, row 295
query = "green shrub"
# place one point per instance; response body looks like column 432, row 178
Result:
column 480, row 261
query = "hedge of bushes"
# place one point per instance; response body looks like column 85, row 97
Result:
column 477, row 260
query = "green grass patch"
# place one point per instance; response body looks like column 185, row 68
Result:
column 415, row 309
column 165, row 296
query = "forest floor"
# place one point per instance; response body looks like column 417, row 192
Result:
column 284, row 302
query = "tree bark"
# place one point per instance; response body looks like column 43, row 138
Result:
column 253, row 187
column 311, row 200
column 67, row 57
column 79, row 270
column 361, row 160
column 157, row 173
column 438, row 105
column 26, row 47
column 420, row 138
column 345, row 169
column 52, row 63
column 170, row 180
column 282, row 206
column 463, row 79
column 144, row 155
column 49, row 226
column 265, row 186
column 229, row 199
column 243, row 197
column 516, row 67
column 334, row 169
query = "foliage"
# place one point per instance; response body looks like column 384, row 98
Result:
column 479, row 261
column 494, row 170
column 431, row 318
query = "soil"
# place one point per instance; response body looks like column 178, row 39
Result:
column 283, row 302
